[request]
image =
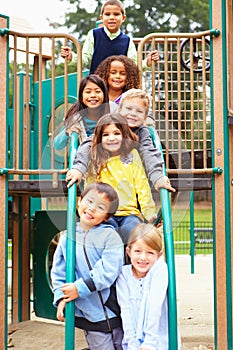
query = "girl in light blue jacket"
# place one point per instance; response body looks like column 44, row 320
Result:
column 142, row 291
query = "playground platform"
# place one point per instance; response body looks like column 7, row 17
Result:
column 194, row 304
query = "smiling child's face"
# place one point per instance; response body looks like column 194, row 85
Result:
column 117, row 76
column 112, row 18
column 92, row 95
column 142, row 258
column 135, row 112
column 93, row 209
column 111, row 139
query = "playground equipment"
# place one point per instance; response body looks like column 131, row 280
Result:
column 194, row 117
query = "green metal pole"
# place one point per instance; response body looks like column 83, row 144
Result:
column 192, row 239
column 21, row 76
column 169, row 247
column 70, row 249
column 226, row 175
column 21, row 118
column 20, row 252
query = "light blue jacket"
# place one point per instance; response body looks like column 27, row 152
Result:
column 61, row 140
column 105, row 252
column 143, row 304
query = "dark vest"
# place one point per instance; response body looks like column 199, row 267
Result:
column 105, row 47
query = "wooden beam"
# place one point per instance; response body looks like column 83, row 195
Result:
column 3, row 188
column 221, row 186
column 230, row 113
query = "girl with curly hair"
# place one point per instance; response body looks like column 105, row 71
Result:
column 120, row 74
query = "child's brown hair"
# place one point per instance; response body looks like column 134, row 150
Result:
column 132, row 71
column 80, row 107
column 113, row 2
column 99, row 156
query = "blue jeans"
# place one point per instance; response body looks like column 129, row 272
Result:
column 124, row 225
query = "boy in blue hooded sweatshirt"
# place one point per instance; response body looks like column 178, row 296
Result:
column 99, row 259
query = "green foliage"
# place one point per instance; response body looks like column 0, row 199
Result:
column 143, row 17
column 59, row 69
column 21, row 67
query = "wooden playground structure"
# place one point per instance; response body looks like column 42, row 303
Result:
column 192, row 93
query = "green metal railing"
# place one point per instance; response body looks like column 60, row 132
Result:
column 169, row 248
column 70, row 249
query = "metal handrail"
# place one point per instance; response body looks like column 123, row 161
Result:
column 169, row 248
column 70, row 249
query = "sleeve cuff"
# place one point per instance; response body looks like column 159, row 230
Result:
column 82, row 287
column 58, row 295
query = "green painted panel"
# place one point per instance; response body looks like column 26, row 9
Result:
column 46, row 226
column 46, row 115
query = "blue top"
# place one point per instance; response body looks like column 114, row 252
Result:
column 143, row 304
column 105, row 47
column 61, row 140
column 118, row 99
column 105, row 252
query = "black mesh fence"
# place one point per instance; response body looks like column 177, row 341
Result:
column 202, row 237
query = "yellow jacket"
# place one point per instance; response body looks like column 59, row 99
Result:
column 129, row 179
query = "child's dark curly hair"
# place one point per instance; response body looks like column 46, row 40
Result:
column 132, row 71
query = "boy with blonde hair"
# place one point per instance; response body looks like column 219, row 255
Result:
column 134, row 106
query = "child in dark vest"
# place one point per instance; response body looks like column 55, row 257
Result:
column 108, row 40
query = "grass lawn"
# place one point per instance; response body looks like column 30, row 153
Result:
column 199, row 215
column 181, row 230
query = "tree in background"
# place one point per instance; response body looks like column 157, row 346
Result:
column 143, row 16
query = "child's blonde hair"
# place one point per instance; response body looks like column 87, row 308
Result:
column 150, row 235
column 113, row 2
column 136, row 93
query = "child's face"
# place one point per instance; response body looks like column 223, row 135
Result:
column 134, row 110
column 92, row 95
column 142, row 258
column 111, row 139
column 93, row 209
column 112, row 18
column 117, row 76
